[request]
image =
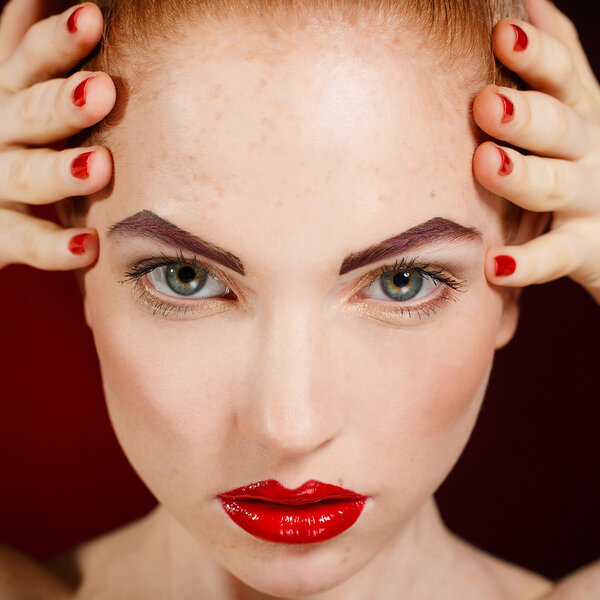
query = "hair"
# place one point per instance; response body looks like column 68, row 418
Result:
column 458, row 31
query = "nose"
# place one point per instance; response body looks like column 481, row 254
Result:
column 290, row 405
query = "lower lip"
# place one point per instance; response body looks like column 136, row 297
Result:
column 294, row 524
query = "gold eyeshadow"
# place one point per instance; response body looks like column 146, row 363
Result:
column 387, row 311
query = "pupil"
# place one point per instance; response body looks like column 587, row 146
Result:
column 401, row 280
column 186, row 274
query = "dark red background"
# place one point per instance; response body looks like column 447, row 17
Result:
column 526, row 489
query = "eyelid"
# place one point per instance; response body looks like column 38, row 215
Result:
column 432, row 271
column 405, row 313
column 394, row 308
column 155, row 262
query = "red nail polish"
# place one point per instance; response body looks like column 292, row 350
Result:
column 80, row 92
column 77, row 244
column 506, row 168
column 508, row 109
column 72, row 22
column 521, row 40
column 80, row 167
column 505, row 265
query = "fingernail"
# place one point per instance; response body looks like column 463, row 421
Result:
column 72, row 22
column 505, row 265
column 80, row 167
column 80, row 92
column 506, row 168
column 508, row 109
column 521, row 40
column 78, row 243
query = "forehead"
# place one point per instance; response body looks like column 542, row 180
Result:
column 327, row 128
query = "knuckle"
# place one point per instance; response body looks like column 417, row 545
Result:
column 32, row 245
column 567, row 27
column 30, row 44
column 555, row 264
column 559, row 121
column 567, row 257
column 18, row 173
column 563, row 65
column 31, row 109
column 525, row 114
column 560, row 184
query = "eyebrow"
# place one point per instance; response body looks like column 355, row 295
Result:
column 148, row 224
column 433, row 231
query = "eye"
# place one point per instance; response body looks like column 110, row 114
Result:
column 402, row 285
column 186, row 280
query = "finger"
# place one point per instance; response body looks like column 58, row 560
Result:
column 42, row 244
column 537, row 184
column 52, row 47
column 56, row 109
column 542, row 60
column 546, row 16
column 41, row 176
column 546, row 258
column 536, row 122
column 17, row 17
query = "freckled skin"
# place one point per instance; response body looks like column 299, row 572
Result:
column 327, row 150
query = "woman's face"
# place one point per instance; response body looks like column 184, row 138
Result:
column 291, row 157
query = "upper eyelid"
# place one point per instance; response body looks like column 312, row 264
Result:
column 440, row 275
column 150, row 264
column 365, row 280
column 395, row 309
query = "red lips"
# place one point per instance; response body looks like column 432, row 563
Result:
column 314, row 512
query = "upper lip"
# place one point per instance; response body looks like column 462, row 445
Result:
column 273, row 491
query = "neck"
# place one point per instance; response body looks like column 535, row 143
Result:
column 420, row 555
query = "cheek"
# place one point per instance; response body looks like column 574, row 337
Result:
column 420, row 389
column 162, row 387
column 408, row 396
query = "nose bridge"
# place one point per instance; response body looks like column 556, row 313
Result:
column 287, row 408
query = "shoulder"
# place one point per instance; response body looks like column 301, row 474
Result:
column 509, row 580
column 581, row 585
column 522, row 584
column 108, row 567
column 21, row 578
column 114, row 566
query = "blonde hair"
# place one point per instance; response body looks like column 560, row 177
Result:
column 461, row 28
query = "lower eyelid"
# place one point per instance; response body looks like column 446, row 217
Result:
column 387, row 310
column 394, row 311
column 181, row 300
column 202, row 306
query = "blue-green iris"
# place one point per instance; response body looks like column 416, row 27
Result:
column 403, row 284
column 185, row 279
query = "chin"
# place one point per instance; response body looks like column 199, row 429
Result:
column 298, row 571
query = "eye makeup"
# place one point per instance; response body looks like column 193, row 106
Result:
column 177, row 306
column 426, row 289
column 443, row 288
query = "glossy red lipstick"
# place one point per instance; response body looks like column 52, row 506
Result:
column 314, row 512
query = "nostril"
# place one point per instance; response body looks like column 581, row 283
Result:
column 285, row 435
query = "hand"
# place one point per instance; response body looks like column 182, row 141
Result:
column 38, row 111
column 559, row 122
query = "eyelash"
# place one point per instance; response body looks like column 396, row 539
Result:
column 452, row 286
column 424, row 309
column 139, row 270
